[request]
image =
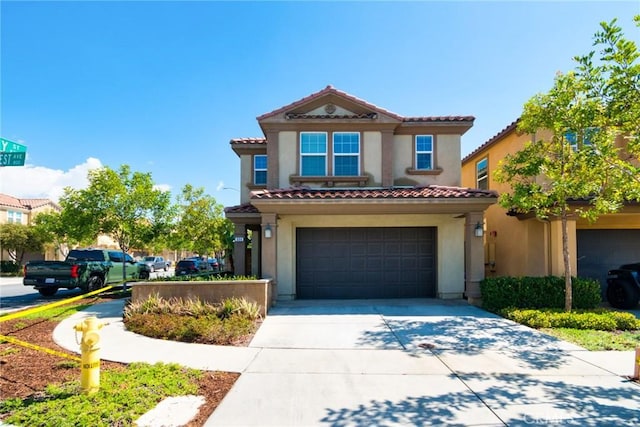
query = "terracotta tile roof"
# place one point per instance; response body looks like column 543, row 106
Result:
column 328, row 90
column 427, row 192
column 240, row 209
column 331, row 90
column 248, row 141
column 439, row 119
column 512, row 126
column 14, row 202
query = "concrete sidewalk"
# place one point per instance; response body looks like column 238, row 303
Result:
column 407, row 362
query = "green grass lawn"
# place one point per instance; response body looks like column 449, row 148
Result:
column 597, row 340
column 124, row 396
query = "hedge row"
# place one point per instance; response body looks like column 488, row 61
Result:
column 9, row 267
column 537, row 292
column 602, row 320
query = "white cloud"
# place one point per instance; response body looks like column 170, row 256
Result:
column 162, row 187
column 31, row 181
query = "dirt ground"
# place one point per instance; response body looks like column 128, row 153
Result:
column 25, row 372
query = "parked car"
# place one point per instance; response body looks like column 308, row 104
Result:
column 191, row 266
column 87, row 269
column 155, row 263
column 213, row 262
column 623, row 286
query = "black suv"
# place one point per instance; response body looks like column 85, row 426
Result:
column 191, row 266
column 623, row 290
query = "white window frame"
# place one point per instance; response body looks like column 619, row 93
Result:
column 256, row 169
column 418, row 152
column 14, row 217
column 325, row 154
column 485, row 177
column 335, row 155
column 582, row 138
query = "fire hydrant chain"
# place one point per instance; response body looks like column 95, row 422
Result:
column 90, row 354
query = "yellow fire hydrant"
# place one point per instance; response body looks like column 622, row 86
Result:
column 90, row 354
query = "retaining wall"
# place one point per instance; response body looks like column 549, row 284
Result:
column 259, row 291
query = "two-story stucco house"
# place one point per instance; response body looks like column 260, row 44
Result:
column 344, row 199
column 23, row 211
column 523, row 245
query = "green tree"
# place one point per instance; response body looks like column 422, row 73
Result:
column 573, row 165
column 122, row 204
column 201, row 226
column 18, row 239
column 57, row 228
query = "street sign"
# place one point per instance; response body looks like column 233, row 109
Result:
column 12, row 159
column 12, row 153
column 7, row 146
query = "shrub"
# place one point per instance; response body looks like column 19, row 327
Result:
column 9, row 267
column 192, row 320
column 537, row 292
column 601, row 319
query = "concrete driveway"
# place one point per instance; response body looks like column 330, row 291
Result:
column 421, row 362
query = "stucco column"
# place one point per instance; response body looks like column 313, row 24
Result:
column 239, row 249
column 387, row 158
column 473, row 257
column 269, row 246
column 555, row 247
column 273, row 170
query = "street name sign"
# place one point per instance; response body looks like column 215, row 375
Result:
column 12, row 153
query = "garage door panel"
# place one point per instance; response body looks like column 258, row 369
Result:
column 601, row 250
column 395, row 262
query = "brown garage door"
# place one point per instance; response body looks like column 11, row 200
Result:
column 344, row 263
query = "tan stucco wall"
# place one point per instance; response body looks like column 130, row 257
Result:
column 246, row 176
column 287, row 157
column 448, row 159
column 450, row 245
column 372, row 151
column 402, row 156
column 517, row 247
column 258, row 291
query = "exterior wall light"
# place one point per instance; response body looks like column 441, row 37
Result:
column 267, row 232
column 479, row 230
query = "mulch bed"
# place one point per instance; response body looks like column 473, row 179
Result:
column 26, row 373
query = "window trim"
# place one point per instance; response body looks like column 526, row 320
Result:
column 14, row 217
column 325, row 154
column 484, row 178
column 431, row 152
column 357, row 155
column 255, row 169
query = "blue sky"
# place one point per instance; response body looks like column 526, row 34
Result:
column 164, row 86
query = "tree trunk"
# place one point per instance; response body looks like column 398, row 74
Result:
column 568, row 288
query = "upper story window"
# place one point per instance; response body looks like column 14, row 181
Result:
column 313, row 153
column 482, row 174
column 424, row 152
column 260, row 169
column 346, row 153
column 580, row 139
column 14, row 217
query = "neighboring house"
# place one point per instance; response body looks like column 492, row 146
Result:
column 523, row 245
column 23, row 211
column 344, row 199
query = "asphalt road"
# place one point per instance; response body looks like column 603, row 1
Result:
column 15, row 296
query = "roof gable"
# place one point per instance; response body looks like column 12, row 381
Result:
column 329, row 103
column 513, row 126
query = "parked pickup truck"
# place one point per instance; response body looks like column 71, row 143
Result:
column 87, row 269
column 623, row 290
